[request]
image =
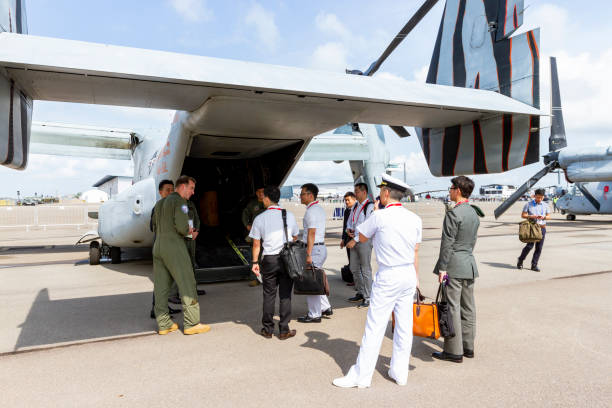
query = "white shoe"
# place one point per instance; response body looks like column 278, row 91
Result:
column 390, row 372
column 346, row 382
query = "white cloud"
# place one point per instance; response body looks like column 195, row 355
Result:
column 330, row 56
column 263, row 22
column 192, row 10
column 328, row 23
column 420, row 75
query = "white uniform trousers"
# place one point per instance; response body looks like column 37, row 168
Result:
column 392, row 291
column 317, row 303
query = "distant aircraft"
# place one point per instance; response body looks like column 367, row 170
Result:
column 581, row 165
column 586, row 199
column 241, row 124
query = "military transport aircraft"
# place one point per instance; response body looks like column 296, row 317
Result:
column 586, row 199
column 240, row 124
column 581, row 165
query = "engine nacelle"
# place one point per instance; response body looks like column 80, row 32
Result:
column 585, row 171
column 124, row 221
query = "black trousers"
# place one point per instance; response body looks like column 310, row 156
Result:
column 538, row 250
column 348, row 254
column 273, row 275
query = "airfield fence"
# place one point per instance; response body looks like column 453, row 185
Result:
column 46, row 216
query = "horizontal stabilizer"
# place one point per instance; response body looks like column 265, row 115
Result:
column 337, row 148
column 81, row 141
column 74, row 71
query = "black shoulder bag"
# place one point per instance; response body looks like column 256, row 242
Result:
column 293, row 253
column 445, row 319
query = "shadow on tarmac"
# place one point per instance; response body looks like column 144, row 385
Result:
column 500, row 265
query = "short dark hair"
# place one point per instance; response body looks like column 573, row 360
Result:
column 362, row 186
column 273, row 193
column 540, row 191
column 164, row 182
column 350, row 194
column 394, row 193
column 184, row 180
column 464, row 184
column 311, row 188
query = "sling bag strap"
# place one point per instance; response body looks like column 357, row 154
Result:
column 284, row 214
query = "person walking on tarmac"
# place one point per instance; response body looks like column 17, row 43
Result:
column 268, row 227
column 254, row 207
column 361, row 252
column 171, row 262
column 166, row 187
column 316, row 251
column 538, row 211
column 194, row 222
column 396, row 233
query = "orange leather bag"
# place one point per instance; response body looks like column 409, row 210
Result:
column 425, row 318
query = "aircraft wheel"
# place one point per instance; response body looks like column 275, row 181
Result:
column 571, row 217
column 115, row 255
column 562, row 212
column 94, row 253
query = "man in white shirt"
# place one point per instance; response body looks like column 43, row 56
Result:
column 268, row 226
column 361, row 252
column 396, row 234
column 314, row 237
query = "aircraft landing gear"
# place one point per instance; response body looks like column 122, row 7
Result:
column 94, row 253
column 571, row 217
column 115, row 255
column 98, row 251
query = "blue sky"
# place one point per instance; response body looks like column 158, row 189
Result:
column 329, row 35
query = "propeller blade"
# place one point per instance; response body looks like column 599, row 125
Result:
column 503, row 207
column 403, row 33
column 557, row 138
column 588, row 196
column 400, row 130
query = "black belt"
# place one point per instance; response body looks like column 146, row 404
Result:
column 319, row 243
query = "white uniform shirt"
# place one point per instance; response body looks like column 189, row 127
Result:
column 314, row 218
column 358, row 215
column 395, row 231
column 269, row 226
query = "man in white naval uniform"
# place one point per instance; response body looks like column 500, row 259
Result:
column 396, row 233
column 361, row 251
column 314, row 236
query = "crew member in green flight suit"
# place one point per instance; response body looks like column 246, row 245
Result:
column 171, row 260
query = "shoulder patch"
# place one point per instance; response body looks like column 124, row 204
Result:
column 184, row 208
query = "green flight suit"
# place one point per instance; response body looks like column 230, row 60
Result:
column 252, row 210
column 193, row 215
column 171, row 261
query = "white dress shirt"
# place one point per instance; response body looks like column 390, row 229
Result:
column 269, row 226
column 314, row 218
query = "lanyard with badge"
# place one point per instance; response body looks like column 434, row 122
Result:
column 359, row 212
column 393, row 205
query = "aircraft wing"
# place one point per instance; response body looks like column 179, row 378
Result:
column 74, row 71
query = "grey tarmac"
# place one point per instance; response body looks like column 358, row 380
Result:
column 80, row 335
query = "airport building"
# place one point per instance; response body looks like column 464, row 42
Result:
column 496, row 191
column 113, row 185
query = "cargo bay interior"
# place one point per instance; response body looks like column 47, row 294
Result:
column 227, row 172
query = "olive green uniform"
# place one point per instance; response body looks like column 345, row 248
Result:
column 171, row 261
column 192, row 213
column 252, row 210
